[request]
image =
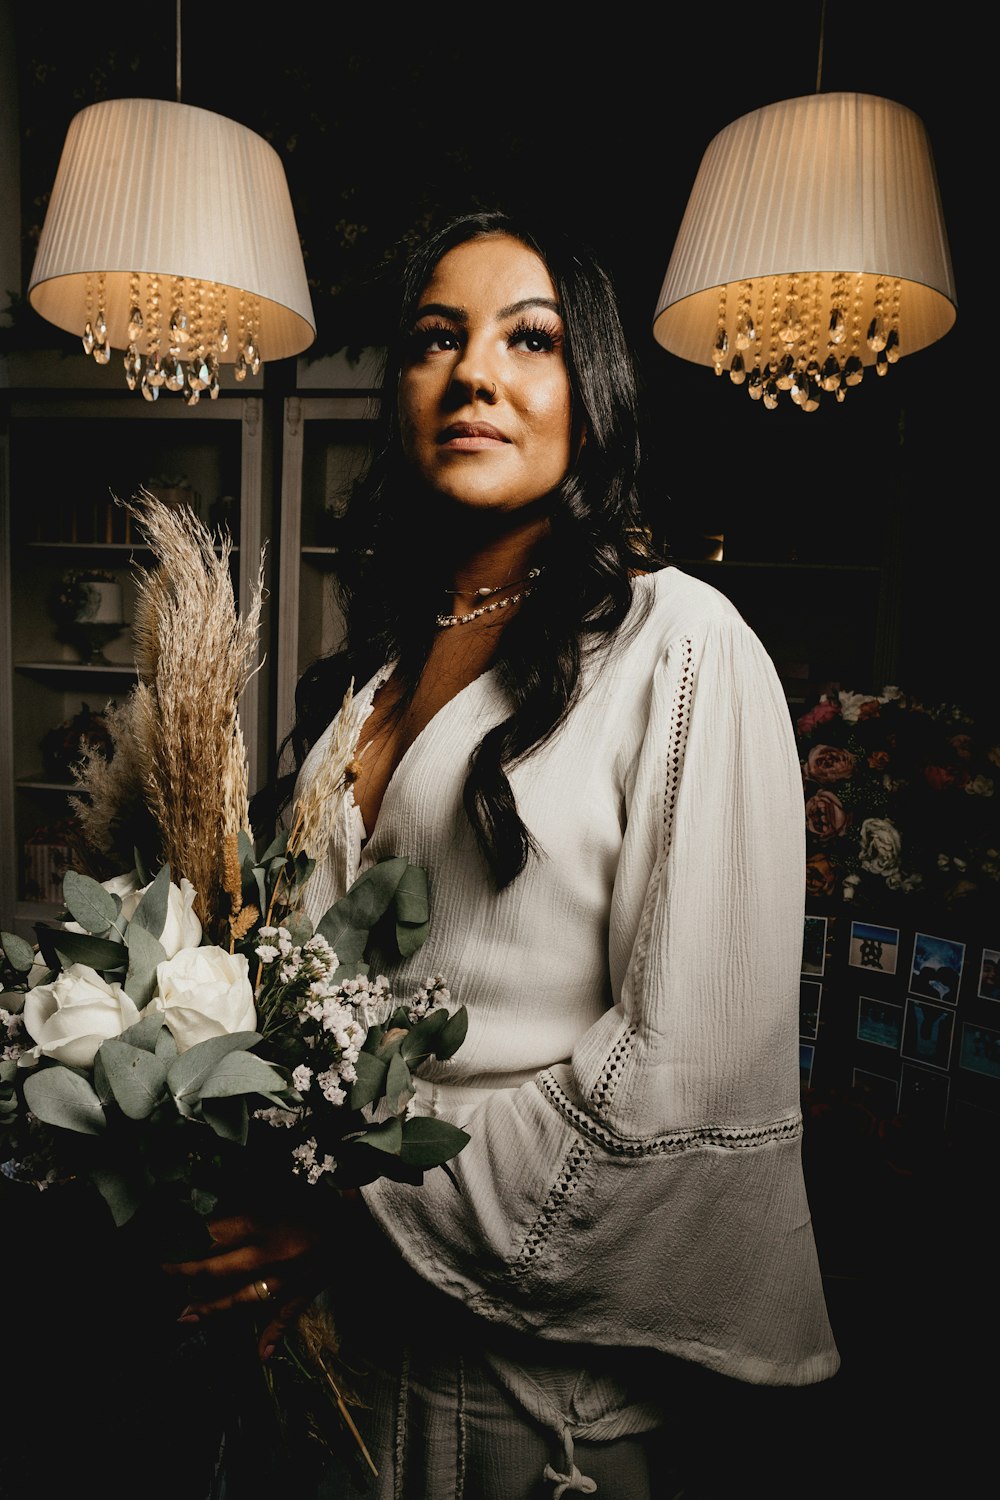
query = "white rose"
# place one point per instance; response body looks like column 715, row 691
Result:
column 880, row 846
column 70, row 1018
column 204, row 992
column 182, row 928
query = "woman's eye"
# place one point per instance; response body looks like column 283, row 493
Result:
column 435, row 340
column 533, row 340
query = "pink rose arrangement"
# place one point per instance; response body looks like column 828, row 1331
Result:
column 899, row 801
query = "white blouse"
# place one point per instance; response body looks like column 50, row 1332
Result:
column 630, row 1078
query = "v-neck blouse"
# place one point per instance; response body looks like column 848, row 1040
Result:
column 630, row 1077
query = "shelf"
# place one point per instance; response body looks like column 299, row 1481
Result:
column 121, row 549
column 79, row 668
column 43, row 784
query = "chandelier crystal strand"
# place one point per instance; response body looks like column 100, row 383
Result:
column 720, row 347
column 88, row 328
column 102, row 349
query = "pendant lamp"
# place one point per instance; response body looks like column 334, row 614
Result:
column 170, row 235
column 812, row 249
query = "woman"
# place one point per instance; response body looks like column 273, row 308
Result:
column 592, row 758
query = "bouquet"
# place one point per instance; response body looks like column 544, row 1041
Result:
column 899, row 801
column 186, row 1021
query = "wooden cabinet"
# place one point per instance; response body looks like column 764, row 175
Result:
column 326, row 431
column 66, row 454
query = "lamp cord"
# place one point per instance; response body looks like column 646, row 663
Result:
column 178, row 28
column 819, row 59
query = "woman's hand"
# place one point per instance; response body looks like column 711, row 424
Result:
column 271, row 1261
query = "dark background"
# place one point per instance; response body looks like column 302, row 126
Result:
column 601, row 118
column 386, row 123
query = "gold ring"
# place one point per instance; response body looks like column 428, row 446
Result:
column 263, row 1290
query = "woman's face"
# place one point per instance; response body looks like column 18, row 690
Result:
column 484, row 396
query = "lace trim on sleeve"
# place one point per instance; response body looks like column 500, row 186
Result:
column 604, row 1089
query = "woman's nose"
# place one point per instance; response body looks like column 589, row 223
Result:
column 473, row 376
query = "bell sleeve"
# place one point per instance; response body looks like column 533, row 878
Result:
column 649, row 1191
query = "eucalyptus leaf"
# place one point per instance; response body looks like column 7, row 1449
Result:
column 18, row 953
column 89, row 903
column 421, row 1040
column 151, row 913
column 453, row 1034
column 122, row 1194
column 275, row 849
column 387, row 1137
column 147, row 1032
column 411, row 898
column 398, row 1083
column 138, row 1079
column 141, row 872
column 228, row 1118
column 144, row 953
column 81, row 948
column 244, row 848
column 349, row 921
column 60, row 1096
column 370, row 1081
column 245, row 1073
column 428, row 1142
column 410, row 938
column 186, row 1076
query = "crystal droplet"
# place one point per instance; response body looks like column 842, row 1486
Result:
column 831, row 374
column 100, row 326
column 102, row 353
column 192, row 397
column 745, row 331
column 791, row 327
column 240, row 367
column 841, row 394
column 222, row 338
column 154, row 375
column 250, row 349
column 877, row 335
column 854, row 370
column 135, row 323
column 810, row 396
column 173, row 374
column 892, row 349
column 148, row 390
column 786, row 373
column 198, row 375
column 837, row 330
column 771, row 397
column 881, row 363
column 255, row 363
column 179, row 326
column 133, row 366
column 88, row 341
column 755, row 385
column 720, row 349
column 737, row 370
column 797, row 389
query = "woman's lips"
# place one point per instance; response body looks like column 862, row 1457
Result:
column 471, row 437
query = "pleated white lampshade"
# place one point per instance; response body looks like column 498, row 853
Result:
column 813, row 245
column 183, row 217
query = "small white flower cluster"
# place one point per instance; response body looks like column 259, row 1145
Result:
column 11, row 1027
column 307, row 1161
column 432, row 994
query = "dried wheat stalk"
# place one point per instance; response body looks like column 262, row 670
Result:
column 194, row 656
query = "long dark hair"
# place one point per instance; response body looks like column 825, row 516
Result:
column 389, row 584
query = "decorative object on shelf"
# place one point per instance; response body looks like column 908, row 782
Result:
column 812, row 247
column 900, row 801
column 89, row 607
column 170, row 234
column 48, row 854
column 174, row 489
column 64, row 746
